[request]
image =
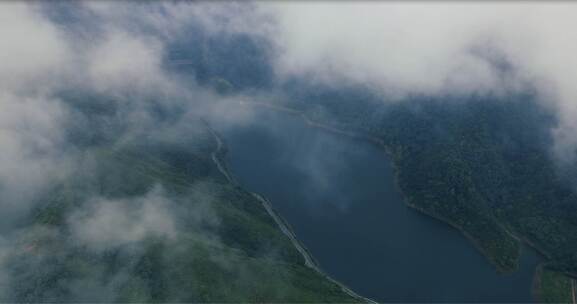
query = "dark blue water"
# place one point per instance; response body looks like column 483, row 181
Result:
column 339, row 196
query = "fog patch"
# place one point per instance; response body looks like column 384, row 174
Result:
column 107, row 224
column 435, row 49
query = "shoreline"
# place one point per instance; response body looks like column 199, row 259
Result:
column 280, row 222
column 381, row 144
column 536, row 288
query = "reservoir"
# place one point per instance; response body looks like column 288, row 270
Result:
column 339, row 196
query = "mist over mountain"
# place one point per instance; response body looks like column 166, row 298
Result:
column 112, row 185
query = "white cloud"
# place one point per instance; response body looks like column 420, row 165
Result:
column 433, row 48
column 32, row 49
column 107, row 224
column 38, row 58
column 124, row 61
column 32, row 60
column 31, row 136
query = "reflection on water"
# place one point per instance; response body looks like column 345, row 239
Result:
column 339, row 196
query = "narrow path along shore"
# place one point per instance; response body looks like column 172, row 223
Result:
column 283, row 226
column 381, row 144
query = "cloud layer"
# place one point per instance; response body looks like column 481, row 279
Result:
column 68, row 72
column 108, row 224
column 436, row 49
column 118, row 50
column 397, row 49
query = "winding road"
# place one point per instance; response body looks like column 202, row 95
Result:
column 283, row 226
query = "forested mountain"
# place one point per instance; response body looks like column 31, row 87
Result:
column 114, row 186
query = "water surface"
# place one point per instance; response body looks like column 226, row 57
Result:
column 339, row 196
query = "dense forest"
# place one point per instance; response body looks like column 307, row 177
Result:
column 481, row 163
column 222, row 245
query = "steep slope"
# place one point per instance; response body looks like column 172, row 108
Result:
column 155, row 220
column 481, row 164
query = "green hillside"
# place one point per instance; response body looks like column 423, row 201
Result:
column 226, row 247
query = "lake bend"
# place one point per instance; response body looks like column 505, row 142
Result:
column 339, row 196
